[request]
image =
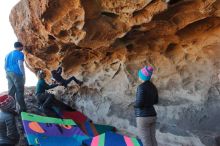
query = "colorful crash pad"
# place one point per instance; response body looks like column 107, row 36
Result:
column 112, row 139
column 47, row 130
column 43, row 119
column 89, row 129
column 104, row 128
column 76, row 116
column 85, row 124
column 58, row 141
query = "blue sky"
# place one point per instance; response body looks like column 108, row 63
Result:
column 7, row 39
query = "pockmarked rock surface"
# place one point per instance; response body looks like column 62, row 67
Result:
column 105, row 42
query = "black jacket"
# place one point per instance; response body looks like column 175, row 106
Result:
column 146, row 97
column 56, row 74
column 8, row 130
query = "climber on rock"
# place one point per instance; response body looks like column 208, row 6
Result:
column 56, row 75
column 44, row 98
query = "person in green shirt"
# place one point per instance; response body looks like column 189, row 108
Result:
column 44, row 98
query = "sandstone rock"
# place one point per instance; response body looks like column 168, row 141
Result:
column 105, row 42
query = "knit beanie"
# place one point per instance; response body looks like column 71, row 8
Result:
column 18, row 45
column 7, row 102
column 145, row 73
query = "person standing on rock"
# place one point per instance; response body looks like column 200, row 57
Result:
column 56, row 75
column 8, row 131
column 14, row 67
column 146, row 97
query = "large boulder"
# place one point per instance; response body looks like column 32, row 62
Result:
column 105, row 42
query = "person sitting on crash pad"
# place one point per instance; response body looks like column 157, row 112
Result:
column 44, row 98
column 56, row 75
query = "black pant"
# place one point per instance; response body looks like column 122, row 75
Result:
column 45, row 99
column 45, row 102
column 70, row 79
column 66, row 82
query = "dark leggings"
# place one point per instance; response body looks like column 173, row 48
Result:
column 66, row 82
column 45, row 99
